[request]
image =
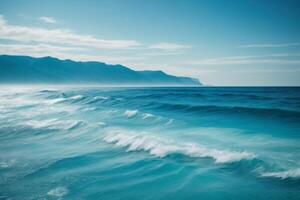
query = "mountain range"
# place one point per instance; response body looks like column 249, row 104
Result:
column 26, row 69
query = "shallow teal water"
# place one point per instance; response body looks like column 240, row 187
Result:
column 149, row 143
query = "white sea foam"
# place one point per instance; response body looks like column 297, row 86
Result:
column 147, row 115
column 7, row 164
column 54, row 101
column 4, row 165
column 15, row 101
column 159, row 147
column 101, row 123
column 89, row 109
column 44, row 110
column 58, row 192
column 292, row 173
column 100, row 98
column 61, row 99
column 130, row 113
column 52, row 124
column 76, row 97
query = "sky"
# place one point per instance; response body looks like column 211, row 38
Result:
column 230, row 43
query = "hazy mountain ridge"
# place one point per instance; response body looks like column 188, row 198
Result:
column 26, row 69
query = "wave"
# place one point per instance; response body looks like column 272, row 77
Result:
column 7, row 164
column 54, row 101
column 130, row 113
column 229, row 109
column 89, row 109
column 53, row 124
column 62, row 99
column 172, row 94
column 76, row 97
column 148, row 115
column 242, row 95
column 101, row 98
column 96, row 99
column 48, row 91
column 161, row 148
column 292, row 173
column 203, row 95
column 58, row 192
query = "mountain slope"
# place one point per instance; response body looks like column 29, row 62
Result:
column 25, row 69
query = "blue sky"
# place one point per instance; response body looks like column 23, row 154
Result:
column 220, row 42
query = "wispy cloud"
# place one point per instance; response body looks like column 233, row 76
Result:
column 46, row 49
column 59, row 36
column 169, row 46
column 274, row 59
column 74, row 53
column 164, row 53
column 269, row 45
column 49, row 20
column 68, row 44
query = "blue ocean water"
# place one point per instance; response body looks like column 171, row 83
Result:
column 149, row 143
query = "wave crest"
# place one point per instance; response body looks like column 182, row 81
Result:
column 58, row 192
column 255, row 111
column 53, row 124
column 130, row 113
column 292, row 173
column 161, row 148
column 148, row 115
column 76, row 97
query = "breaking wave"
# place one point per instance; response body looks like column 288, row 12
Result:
column 147, row 115
column 162, row 147
column 58, row 192
column 292, row 173
column 130, row 113
column 53, row 124
column 99, row 140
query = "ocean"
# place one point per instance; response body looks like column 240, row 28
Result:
column 149, row 143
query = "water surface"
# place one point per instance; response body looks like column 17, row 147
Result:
column 149, row 143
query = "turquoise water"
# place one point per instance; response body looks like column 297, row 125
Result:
column 149, row 143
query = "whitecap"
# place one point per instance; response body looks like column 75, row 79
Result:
column 162, row 147
column 52, row 124
column 147, row 115
column 46, row 110
column 54, row 101
column 89, row 109
column 130, row 113
column 4, row 165
column 100, row 98
column 7, row 164
column 292, row 173
column 61, row 99
column 58, row 192
column 101, row 123
column 14, row 101
column 76, row 97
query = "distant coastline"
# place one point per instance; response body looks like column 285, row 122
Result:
column 50, row 70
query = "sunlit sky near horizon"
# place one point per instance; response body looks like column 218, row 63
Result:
column 254, row 42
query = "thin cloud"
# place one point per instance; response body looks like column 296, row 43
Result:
column 169, row 46
column 161, row 53
column 49, row 20
column 74, row 53
column 59, row 36
column 37, row 48
column 269, row 45
column 273, row 59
